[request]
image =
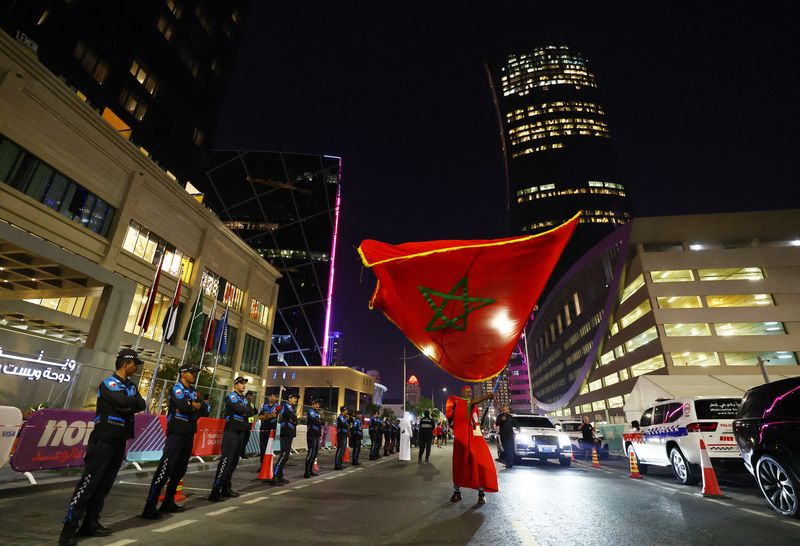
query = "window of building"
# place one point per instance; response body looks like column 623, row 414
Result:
column 145, row 77
column 226, row 359
column 77, row 307
column 731, row 274
column 749, row 328
column 679, row 302
column 595, row 385
column 252, row 354
column 586, row 408
column 607, row 358
column 160, row 307
column 677, row 275
column 649, row 365
column 776, row 358
column 631, row 289
column 642, row 339
column 259, row 312
column 635, row 314
column 91, row 62
column 198, row 137
column 623, row 374
column 616, row 402
column 190, row 60
column 612, row 379
column 25, row 172
column 165, row 27
column 689, row 329
column 143, row 243
column 695, row 359
column 175, row 9
column 739, row 300
column 133, row 103
column 229, row 294
column 599, row 405
column 210, row 283
column 576, row 301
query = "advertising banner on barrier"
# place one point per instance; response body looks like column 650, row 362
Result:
column 208, row 440
column 329, row 436
column 300, row 439
column 53, row 438
column 150, row 435
column 10, row 421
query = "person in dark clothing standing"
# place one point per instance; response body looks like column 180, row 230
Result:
column 356, row 435
column 314, row 432
column 248, row 396
column 342, row 428
column 505, row 422
column 396, row 436
column 269, row 421
column 587, row 436
column 288, row 421
column 375, row 436
column 387, row 436
column 236, row 422
column 426, row 425
column 117, row 402
column 185, row 408
column 414, row 434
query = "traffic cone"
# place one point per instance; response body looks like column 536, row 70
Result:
column 634, row 467
column 710, row 485
column 179, row 496
column 595, row 460
column 346, row 456
column 572, row 455
column 266, row 465
column 164, row 493
column 315, row 467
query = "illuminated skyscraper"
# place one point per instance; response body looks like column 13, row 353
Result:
column 558, row 149
column 412, row 390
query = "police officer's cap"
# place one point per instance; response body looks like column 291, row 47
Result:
column 129, row 354
column 292, row 395
column 189, row 368
column 317, row 401
column 239, row 379
column 342, row 408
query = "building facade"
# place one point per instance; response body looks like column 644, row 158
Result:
column 519, row 387
column 334, row 386
column 335, row 342
column 413, row 391
column 682, row 295
column 86, row 219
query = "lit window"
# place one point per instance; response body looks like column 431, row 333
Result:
column 731, row 274
column 158, row 313
column 623, row 374
column 606, row 358
column 259, row 312
column 649, row 365
column 198, row 137
column 690, row 329
column 174, row 8
column 631, row 289
column 77, row 307
column 144, row 77
column 599, row 405
column 679, row 302
column 634, row 315
column 616, row 402
column 133, row 104
column 165, row 28
column 695, row 359
column 642, row 339
column 749, row 328
column 148, row 246
column 777, row 358
column 91, row 62
column 595, row 385
column 739, row 300
column 680, row 275
column 612, row 379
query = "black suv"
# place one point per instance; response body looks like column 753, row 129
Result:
column 767, row 430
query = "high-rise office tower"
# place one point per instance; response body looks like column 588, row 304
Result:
column 557, row 146
column 413, row 391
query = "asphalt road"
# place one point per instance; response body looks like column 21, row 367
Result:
column 393, row 502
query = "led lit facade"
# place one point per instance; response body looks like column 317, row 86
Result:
column 519, row 388
column 413, row 389
column 688, row 295
column 558, row 149
column 334, row 355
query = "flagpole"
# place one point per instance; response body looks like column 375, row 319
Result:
column 191, row 324
column 219, row 343
column 404, row 380
column 152, row 285
column 173, row 308
column 205, row 340
column 494, row 391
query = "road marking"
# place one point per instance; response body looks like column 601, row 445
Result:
column 280, row 492
column 174, row 526
column 301, row 486
column 723, row 503
column 762, row 514
column 122, row 542
column 148, row 485
column 795, row 523
column 222, row 511
column 524, row 535
column 249, row 494
column 255, row 500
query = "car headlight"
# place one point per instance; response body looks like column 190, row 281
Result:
column 523, row 439
column 564, row 441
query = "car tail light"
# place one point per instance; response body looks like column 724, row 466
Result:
column 701, row 427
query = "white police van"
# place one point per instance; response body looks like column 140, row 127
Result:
column 671, row 430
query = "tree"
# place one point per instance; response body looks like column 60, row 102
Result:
column 168, row 375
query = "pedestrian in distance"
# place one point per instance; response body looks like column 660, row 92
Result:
column 405, row 439
column 426, row 426
column 437, row 435
column 250, row 422
column 415, row 433
column 207, row 407
column 356, row 435
column 342, row 428
column 118, row 401
column 185, row 407
column 396, row 436
column 505, row 424
column 236, row 415
column 375, row 434
column 445, row 432
column 268, row 415
column 386, row 426
column 288, row 421
column 588, row 437
column 313, row 435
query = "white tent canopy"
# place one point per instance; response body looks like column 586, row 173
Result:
column 648, row 388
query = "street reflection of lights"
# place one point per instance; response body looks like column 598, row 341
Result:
column 695, row 247
column 503, row 323
column 796, row 242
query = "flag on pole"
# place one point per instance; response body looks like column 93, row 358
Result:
column 144, row 318
column 464, row 304
column 171, row 319
column 194, row 330
column 208, row 336
column 221, row 332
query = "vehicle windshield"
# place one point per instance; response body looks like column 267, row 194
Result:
column 530, row 421
column 570, row 427
column 717, row 408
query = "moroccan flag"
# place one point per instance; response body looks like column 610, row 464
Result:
column 144, row 318
column 464, row 304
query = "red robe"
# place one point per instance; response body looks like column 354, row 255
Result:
column 473, row 465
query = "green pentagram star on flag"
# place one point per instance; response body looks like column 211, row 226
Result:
column 459, row 293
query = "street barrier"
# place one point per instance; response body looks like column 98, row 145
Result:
column 53, row 438
column 150, row 436
column 10, row 422
column 612, row 436
column 208, row 439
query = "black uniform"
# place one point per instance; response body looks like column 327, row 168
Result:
column 181, row 426
column 395, row 437
column 342, row 426
column 375, row 438
column 414, row 434
column 356, row 435
column 288, row 421
column 250, row 421
column 314, row 432
column 267, row 425
column 505, row 422
column 426, row 426
column 236, row 413
column 117, row 402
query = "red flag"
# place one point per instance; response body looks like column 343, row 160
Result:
column 208, row 335
column 464, row 304
column 144, row 318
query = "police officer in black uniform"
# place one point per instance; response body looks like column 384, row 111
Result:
column 249, row 397
column 356, row 435
column 288, row 420
column 185, row 407
column 313, row 435
column 118, row 401
column 342, row 428
column 426, row 426
column 269, row 421
column 236, row 415
column 375, row 436
column 396, row 436
column 387, row 436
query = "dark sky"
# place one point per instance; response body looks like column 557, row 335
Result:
column 702, row 105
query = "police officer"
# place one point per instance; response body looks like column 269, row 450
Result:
column 236, row 413
column 288, row 421
column 356, row 435
column 387, row 436
column 426, row 426
column 314, row 432
column 342, row 427
column 185, row 407
column 117, row 402
column 396, row 436
column 248, row 396
column 269, row 420
column 375, row 436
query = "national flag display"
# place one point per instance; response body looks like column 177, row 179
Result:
column 221, row 332
column 172, row 315
column 144, row 318
column 464, row 304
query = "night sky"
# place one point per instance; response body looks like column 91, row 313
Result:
column 702, row 105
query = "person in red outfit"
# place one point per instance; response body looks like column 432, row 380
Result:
column 473, row 466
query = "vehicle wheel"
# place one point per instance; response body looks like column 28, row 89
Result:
column 778, row 486
column 681, row 468
column 565, row 461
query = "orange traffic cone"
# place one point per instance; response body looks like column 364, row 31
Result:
column 179, row 496
column 315, row 467
column 634, row 467
column 266, row 465
column 346, row 456
column 710, row 485
column 164, row 493
column 595, row 460
column 572, row 455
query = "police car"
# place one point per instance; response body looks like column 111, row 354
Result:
column 537, row 438
column 671, row 430
column 572, row 428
